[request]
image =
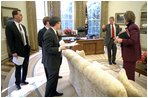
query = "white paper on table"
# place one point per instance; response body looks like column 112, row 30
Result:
column 71, row 44
column 18, row 60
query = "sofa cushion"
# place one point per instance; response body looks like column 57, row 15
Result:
column 97, row 64
column 68, row 53
column 81, row 53
column 79, row 63
column 104, row 81
column 113, row 73
column 130, row 87
column 140, row 89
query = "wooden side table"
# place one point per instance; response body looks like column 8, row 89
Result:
column 141, row 69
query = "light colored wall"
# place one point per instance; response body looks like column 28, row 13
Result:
column 15, row 4
column 123, row 6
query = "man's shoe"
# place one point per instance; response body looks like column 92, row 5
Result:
column 114, row 63
column 25, row 83
column 58, row 94
column 18, row 87
column 59, row 76
column 110, row 63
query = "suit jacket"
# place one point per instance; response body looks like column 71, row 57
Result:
column 40, row 36
column 131, row 49
column 108, row 33
column 52, row 58
column 14, row 40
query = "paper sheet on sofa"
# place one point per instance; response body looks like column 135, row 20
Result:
column 18, row 60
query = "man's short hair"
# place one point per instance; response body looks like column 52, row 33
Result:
column 45, row 20
column 111, row 18
column 15, row 12
column 54, row 20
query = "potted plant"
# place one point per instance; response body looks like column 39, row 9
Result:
column 143, row 60
column 68, row 31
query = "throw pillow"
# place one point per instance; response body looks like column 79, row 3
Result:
column 140, row 89
column 81, row 53
column 132, row 91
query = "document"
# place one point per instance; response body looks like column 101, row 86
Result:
column 71, row 44
column 61, row 42
column 68, row 44
column 18, row 60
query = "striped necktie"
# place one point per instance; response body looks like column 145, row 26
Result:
column 21, row 32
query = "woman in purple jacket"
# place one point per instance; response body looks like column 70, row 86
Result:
column 131, row 49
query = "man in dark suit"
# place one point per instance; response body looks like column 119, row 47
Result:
column 40, row 36
column 52, row 57
column 112, row 31
column 43, row 30
column 18, row 43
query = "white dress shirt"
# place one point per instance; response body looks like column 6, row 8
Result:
column 57, row 36
column 21, row 31
column 114, row 29
column 54, row 30
column 46, row 27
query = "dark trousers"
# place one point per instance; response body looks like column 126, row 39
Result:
column 130, row 69
column 46, row 72
column 24, row 68
column 52, row 81
column 111, row 51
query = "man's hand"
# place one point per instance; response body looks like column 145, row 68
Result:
column 14, row 55
column 103, row 26
column 115, row 39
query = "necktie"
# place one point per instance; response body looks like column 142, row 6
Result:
column 22, row 34
column 113, row 31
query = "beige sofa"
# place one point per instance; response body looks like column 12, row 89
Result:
column 92, row 81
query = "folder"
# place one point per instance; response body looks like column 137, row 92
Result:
column 123, row 35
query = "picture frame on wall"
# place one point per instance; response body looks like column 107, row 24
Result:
column 119, row 18
column 6, row 15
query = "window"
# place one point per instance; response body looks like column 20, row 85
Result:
column 41, row 12
column 67, row 15
column 93, row 12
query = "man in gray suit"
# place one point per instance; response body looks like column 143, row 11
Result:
column 112, row 31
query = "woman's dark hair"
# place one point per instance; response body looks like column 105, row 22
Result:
column 45, row 20
column 54, row 20
column 129, row 16
column 15, row 12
